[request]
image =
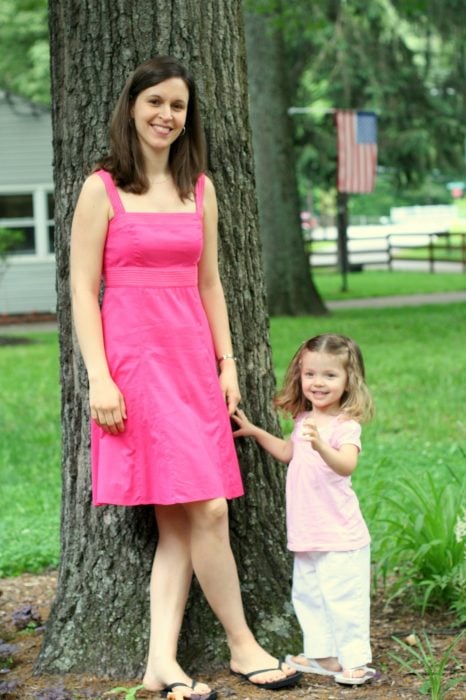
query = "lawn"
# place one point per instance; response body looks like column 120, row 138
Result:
column 29, row 455
column 376, row 283
column 415, row 365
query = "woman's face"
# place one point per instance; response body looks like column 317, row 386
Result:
column 159, row 113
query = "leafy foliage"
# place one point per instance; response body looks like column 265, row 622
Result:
column 432, row 671
column 420, row 543
column 24, row 59
column 9, row 239
column 404, row 60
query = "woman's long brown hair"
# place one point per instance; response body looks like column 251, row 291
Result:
column 187, row 159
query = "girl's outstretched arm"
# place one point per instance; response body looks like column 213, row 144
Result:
column 277, row 447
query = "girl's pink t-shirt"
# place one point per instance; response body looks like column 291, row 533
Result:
column 322, row 510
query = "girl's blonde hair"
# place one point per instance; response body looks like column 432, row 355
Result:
column 356, row 401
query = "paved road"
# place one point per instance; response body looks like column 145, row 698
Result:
column 20, row 328
column 411, row 300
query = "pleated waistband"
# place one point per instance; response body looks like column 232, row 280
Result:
column 150, row 277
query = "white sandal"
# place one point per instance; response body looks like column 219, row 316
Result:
column 351, row 679
column 312, row 666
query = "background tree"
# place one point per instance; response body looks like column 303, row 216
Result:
column 24, row 55
column 405, row 60
column 99, row 618
column 290, row 289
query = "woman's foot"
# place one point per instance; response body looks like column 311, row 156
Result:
column 169, row 674
column 249, row 659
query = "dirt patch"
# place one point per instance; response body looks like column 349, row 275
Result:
column 33, row 317
column 30, row 596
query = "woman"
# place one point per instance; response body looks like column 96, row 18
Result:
column 161, row 368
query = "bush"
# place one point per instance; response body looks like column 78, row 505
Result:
column 422, row 550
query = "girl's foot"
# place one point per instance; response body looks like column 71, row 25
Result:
column 327, row 666
column 355, row 676
column 171, row 673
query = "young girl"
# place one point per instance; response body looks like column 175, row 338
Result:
column 325, row 392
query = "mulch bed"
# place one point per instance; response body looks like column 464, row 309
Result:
column 28, row 597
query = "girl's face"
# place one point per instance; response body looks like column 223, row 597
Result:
column 323, row 380
column 159, row 113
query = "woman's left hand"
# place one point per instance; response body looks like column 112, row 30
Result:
column 229, row 385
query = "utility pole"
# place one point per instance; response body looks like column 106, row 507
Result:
column 342, row 241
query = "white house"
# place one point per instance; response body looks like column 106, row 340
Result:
column 27, row 276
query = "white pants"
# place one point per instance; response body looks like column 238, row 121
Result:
column 331, row 598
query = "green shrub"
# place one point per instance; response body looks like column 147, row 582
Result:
column 422, row 663
column 422, row 550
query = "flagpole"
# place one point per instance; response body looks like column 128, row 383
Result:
column 356, row 167
column 342, row 226
column 342, row 241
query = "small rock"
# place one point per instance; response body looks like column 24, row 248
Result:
column 25, row 616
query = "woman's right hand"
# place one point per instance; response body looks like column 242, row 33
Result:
column 107, row 404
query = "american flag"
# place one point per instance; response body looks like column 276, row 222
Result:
column 357, row 150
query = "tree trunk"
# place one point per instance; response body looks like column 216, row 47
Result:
column 290, row 289
column 99, row 620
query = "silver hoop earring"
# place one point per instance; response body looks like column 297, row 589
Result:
column 183, row 131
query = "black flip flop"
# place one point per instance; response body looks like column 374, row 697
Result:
column 212, row 695
column 270, row 685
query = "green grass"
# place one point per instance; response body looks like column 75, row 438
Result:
column 29, row 455
column 376, row 283
column 415, row 366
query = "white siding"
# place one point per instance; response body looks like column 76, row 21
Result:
column 25, row 142
column 27, row 283
column 27, row 286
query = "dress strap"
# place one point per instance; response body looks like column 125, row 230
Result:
column 199, row 193
column 114, row 197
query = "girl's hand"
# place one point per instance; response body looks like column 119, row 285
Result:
column 229, row 385
column 107, row 404
column 309, row 431
column 246, row 428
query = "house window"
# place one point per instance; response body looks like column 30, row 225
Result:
column 30, row 213
column 50, row 223
column 16, row 206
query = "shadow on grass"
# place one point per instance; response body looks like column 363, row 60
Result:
column 8, row 340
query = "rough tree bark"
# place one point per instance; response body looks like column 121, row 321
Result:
column 290, row 289
column 99, row 620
